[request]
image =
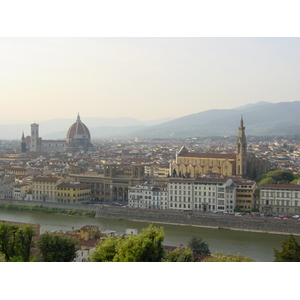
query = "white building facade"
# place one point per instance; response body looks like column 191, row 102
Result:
column 148, row 196
column 280, row 199
column 202, row 194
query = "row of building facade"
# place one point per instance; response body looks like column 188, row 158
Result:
column 217, row 194
column 196, row 194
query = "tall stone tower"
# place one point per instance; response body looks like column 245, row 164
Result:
column 34, row 137
column 23, row 143
column 241, row 151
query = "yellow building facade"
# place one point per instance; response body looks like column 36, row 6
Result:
column 73, row 193
column 245, row 191
column 44, row 188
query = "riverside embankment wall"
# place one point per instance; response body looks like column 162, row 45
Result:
column 269, row 224
column 256, row 224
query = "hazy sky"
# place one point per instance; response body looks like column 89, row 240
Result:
column 143, row 78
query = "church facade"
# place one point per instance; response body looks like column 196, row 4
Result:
column 238, row 164
column 78, row 139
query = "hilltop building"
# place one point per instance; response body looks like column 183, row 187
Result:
column 78, row 139
column 239, row 164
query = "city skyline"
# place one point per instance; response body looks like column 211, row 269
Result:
column 142, row 78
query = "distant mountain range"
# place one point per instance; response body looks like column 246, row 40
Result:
column 262, row 118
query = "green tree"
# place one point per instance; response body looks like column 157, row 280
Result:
column 219, row 257
column 179, row 255
column 295, row 181
column 267, row 180
column 253, row 174
column 290, row 251
column 278, row 176
column 174, row 173
column 106, row 250
column 144, row 247
column 198, row 246
column 24, row 241
column 57, row 247
column 16, row 241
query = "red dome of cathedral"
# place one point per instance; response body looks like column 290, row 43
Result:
column 78, row 136
column 78, row 130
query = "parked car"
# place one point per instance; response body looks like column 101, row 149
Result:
column 296, row 217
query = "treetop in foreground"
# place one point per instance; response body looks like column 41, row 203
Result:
column 143, row 247
column 57, row 247
column 290, row 251
column 16, row 241
column 198, row 246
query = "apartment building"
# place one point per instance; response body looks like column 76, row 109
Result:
column 280, row 199
column 148, row 196
column 73, row 192
column 44, row 188
column 202, row 194
column 20, row 191
column 7, row 182
column 245, row 191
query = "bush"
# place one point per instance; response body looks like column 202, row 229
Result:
column 219, row 257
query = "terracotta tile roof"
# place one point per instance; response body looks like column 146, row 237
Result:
column 87, row 227
column 188, row 180
column 281, row 186
column 221, row 180
column 209, row 155
column 53, row 179
column 73, row 185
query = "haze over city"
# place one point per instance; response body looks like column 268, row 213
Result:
column 142, row 78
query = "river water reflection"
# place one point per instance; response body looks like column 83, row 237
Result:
column 258, row 246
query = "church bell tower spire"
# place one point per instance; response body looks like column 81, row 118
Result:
column 241, row 151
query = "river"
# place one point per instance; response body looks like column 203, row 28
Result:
column 258, row 246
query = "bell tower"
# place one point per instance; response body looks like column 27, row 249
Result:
column 241, row 151
column 34, row 137
column 23, row 143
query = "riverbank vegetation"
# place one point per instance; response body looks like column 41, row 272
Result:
column 52, row 210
